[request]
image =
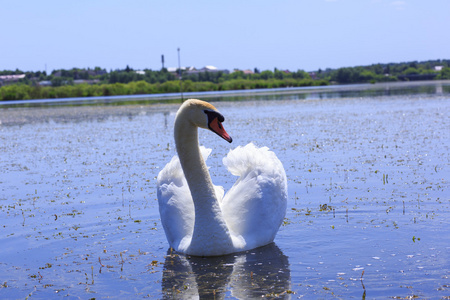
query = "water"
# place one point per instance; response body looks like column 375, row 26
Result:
column 368, row 209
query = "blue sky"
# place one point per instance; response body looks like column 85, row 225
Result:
column 287, row 34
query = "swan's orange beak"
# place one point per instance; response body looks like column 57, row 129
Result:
column 217, row 127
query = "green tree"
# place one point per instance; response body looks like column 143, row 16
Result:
column 278, row 74
column 378, row 69
column 266, row 75
column 444, row 73
column 411, row 71
column 344, row 75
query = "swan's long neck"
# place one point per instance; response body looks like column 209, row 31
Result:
column 209, row 223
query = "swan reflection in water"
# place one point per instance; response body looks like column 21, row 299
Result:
column 255, row 273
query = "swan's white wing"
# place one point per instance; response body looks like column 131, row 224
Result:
column 175, row 203
column 256, row 204
column 176, row 206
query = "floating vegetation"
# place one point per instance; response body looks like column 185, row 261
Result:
column 368, row 184
column 325, row 207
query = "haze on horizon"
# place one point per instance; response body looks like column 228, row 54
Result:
column 265, row 34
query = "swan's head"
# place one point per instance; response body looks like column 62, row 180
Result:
column 204, row 115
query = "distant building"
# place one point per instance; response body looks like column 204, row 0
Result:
column 247, row 71
column 90, row 72
column 88, row 81
column 45, row 83
column 212, row 69
column 175, row 70
column 193, row 70
column 96, row 72
column 5, row 79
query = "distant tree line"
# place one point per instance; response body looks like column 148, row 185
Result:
column 388, row 72
column 23, row 91
column 98, row 82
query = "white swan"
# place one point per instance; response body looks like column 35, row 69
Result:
column 197, row 218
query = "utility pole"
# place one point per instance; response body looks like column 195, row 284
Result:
column 181, row 81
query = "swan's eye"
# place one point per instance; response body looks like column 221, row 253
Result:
column 214, row 114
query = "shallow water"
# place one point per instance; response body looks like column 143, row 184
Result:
column 368, row 210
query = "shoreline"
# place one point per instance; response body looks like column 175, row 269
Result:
column 169, row 97
column 86, row 108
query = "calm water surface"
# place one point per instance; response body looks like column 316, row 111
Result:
column 368, row 212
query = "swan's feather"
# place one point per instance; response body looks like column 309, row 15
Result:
column 256, row 204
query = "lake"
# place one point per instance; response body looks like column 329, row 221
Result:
column 368, row 215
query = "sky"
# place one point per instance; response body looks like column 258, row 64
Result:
column 243, row 34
